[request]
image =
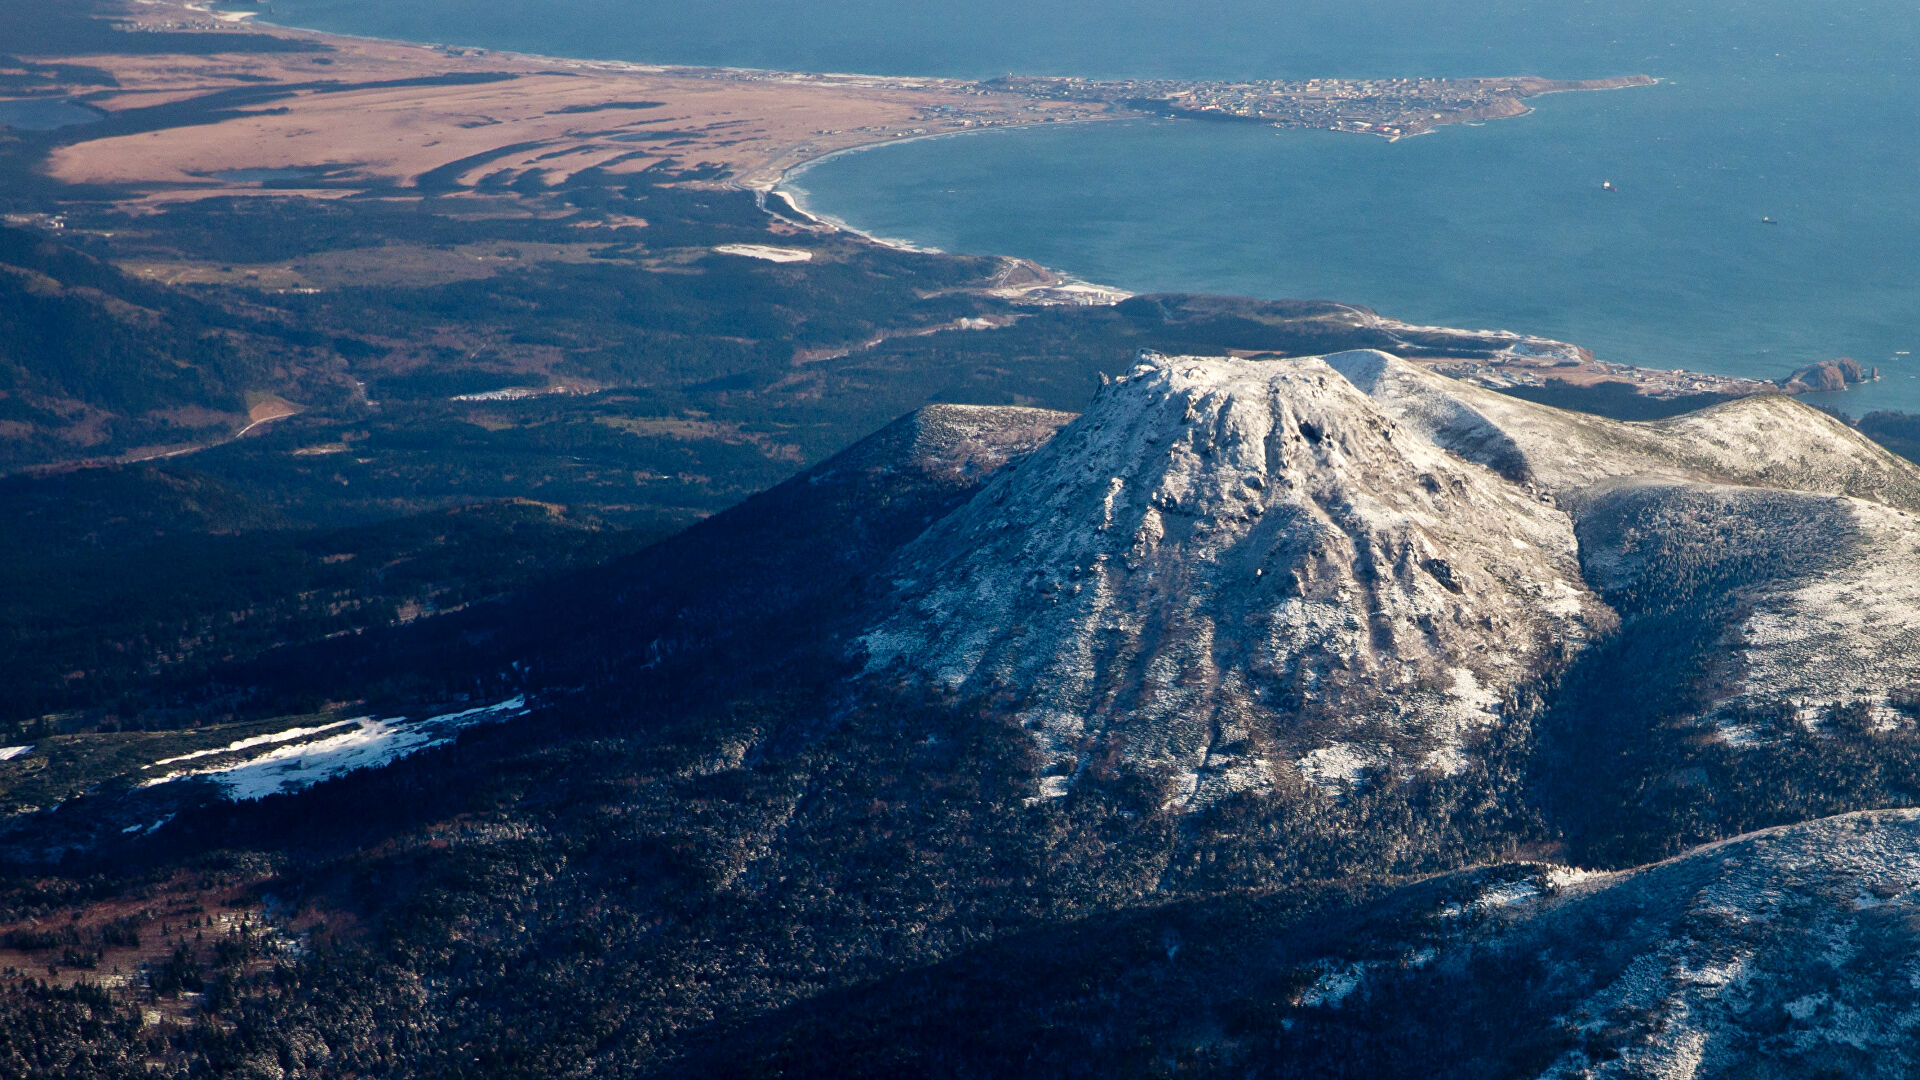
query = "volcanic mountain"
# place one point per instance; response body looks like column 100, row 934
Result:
column 1250, row 722
column 1228, row 569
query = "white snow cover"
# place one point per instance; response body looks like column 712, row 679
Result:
column 766, row 252
column 8, row 753
column 268, row 739
column 1339, row 764
column 1812, row 920
column 1765, row 441
column 1846, row 629
column 1227, row 568
column 1236, row 571
column 1334, row 986
column 1848, row 633
column 367, row 744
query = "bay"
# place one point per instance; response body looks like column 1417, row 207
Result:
column 1801, row 113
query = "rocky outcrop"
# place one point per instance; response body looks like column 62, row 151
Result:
column 1827, row 375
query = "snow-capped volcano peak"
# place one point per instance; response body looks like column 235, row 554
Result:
column 1227, row 568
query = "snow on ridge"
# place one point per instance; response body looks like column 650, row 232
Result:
column 8, row 753
column 368, row 744
column 1769, row 923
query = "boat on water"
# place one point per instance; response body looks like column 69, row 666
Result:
column 1768, row 221
column 1607, row 185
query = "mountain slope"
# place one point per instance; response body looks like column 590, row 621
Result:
column 1764, row 560
column 1787, row 953
column 718, row 846
column 1761, row 441
column 1701, row 509
column 95, row 363
column 1229, row 569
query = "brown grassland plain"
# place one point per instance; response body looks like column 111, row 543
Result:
column 370, row 111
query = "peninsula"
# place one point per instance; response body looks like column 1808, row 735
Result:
column 1391, row 108
column 339, row 115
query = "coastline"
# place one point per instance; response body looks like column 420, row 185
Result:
column 796, row 116
column 1063, row 288
column 794, row 196
column 776, row 164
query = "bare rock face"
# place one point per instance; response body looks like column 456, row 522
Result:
column 1826, row 376
column 1227, row 568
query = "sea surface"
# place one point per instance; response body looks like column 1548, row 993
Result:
column 1805, row 113
column 45, row 114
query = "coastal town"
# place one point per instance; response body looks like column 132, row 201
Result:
column 1391, row 108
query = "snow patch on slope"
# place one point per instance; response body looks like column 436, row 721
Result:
column 367, row 744
column 766, row 252
column 268, row 739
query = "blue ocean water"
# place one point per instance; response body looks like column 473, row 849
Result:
column 45, row 114
column 1804, row 113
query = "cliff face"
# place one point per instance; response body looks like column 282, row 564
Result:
column 1827, row 375
column 1226, row 568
